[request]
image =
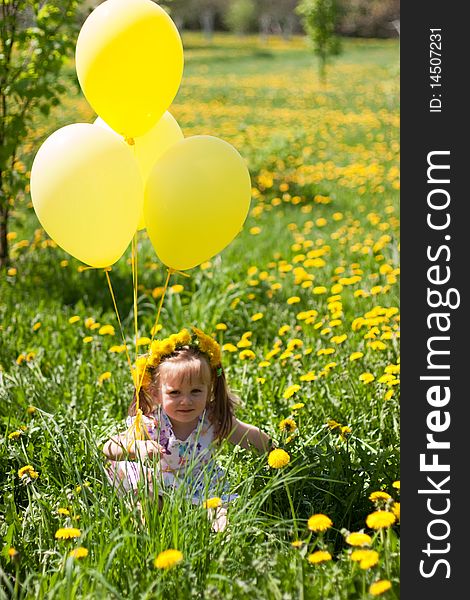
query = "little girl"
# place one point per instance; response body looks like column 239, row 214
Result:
column 185, row 409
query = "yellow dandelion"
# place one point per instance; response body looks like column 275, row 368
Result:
column 375, row 496
column 14, row 435
column 212, row 502
column 365, row 558
column 319, row 289
column 339, row 339
column 287, row 425
column 379, row 587
column 247, row 354
column 255, row 230
column 290, row 391
column 177, row 288
column 104, row 376
column 31, row 410
column 293, row 300
column 229, row 348
column 264, row 363
column 28, row 471
column 221, row 327
column 36, row 326
column 319, row 556
column 396, row 485
column 261, row 380
column 396, row 510
column 11, row 272
column 79, row 552
column 87, row 339
column 325, row 351
column 67, row 533
column 106, row 330
column 310, row 376
column 278, row 458
column 284, row 329
column 63, row 511
column 297, row 543
column 366, row 377
column 257, row 316
column 358, row 539
column 319, row 522
column 12, row 552
column 168, row 559
column 297, row 406
column 74, row 319
column 117, row 349
column 380, row 519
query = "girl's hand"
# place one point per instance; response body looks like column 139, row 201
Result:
column 147, row 449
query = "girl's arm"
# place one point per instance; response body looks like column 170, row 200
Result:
column 116, row 448
column 246, row 436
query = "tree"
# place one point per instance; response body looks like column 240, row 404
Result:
column 240, row 15
column 35, row 39
column 320, row 18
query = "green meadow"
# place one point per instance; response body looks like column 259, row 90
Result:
column 305, row 303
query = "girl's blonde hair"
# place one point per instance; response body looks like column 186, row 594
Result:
column 190, row 362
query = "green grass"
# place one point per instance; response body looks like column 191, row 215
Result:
column 314, row 152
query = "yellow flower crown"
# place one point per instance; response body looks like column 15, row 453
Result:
column 159, row 349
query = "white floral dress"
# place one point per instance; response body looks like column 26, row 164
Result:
column 187, row 462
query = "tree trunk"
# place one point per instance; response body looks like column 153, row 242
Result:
column 264, row 23
column 207, row 19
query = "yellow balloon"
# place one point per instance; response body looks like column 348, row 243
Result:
column 82, row 180
column 149, row 147
column 197, row 198
column 129, row 61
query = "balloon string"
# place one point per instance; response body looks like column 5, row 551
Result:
column 134, row 285
column 118, row 317
column 138, row 430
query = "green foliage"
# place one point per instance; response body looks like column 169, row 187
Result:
column 320, row 18
column 240, row 15
column 35, row 40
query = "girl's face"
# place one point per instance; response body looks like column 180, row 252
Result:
column 184, row 395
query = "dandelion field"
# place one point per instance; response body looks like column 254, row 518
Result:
column 305, row 302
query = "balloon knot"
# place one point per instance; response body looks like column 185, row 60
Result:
column 130, row 141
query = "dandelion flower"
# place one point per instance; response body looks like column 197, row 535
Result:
column 168, row 559
column 12, row 552
column 365, row 558
column 380, row 519
column 221, row 327
column 29, row 471
column 104, row 377
column 297, row 543
column 290, row 391
column 106, row 330
column 287, row 425
column 356, row 356
column 67, row 533
column 79, row 552
column 31, row 410
column 319, row 556
column 379, row 496
column 358, row 539
column 14, row 435
column 247, row 354
column 36, row 326
column 297, row 406
column 278, row 458
column 396, row 510
column 366, row 377
column 87, row 339
column 257, row 316
column 293, row 300
column 396, row 485
column 74, row 319
column 63, row 511
column 310, row 376
column 212, row 502
column 319, row 522
column 379, row 587
column 229, row 348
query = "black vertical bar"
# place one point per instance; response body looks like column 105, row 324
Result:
column 435, row 129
